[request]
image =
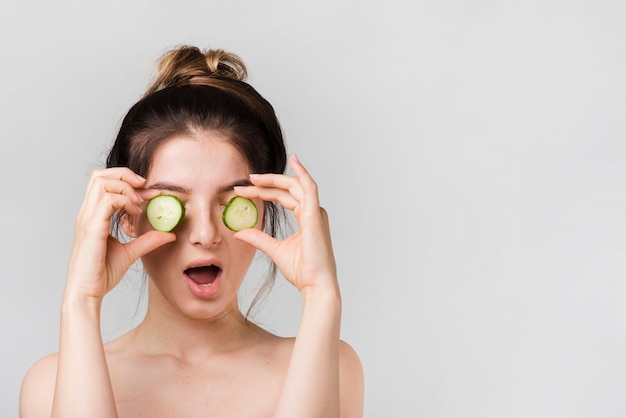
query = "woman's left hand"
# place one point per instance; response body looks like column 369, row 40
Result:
column 306, row 257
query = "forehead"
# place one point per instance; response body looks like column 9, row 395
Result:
column 207, row 156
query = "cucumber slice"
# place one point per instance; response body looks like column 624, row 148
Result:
column 164, row 212
column 240, row 213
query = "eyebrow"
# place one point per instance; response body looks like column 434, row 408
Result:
column 163, row 185
column 229, row 187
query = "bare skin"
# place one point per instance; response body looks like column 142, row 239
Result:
column 194, row 355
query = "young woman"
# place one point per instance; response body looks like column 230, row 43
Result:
column 204, row 135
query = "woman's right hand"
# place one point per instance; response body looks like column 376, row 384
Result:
column 98, row 260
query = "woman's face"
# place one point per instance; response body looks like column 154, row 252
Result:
column 199, row 274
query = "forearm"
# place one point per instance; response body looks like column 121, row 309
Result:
column 311, row 388
column 83, row 386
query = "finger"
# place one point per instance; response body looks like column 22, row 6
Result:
column 120, row 173
column 325, row 222
column 278, row 181
column 286, row 199
column 259, row 240
column 147, row 242
column 309, row 186
column 147, row 194
column 116, row 181
column 108, row 183
column 117, row 173
column 110, row 203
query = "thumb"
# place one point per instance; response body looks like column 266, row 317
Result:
column 147, row 242
column 259, row 240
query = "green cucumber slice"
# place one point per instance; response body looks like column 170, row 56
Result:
column 164, row 212
column 240, row 213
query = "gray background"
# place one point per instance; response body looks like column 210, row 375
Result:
column 471, row 155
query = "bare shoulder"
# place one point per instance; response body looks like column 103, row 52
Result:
column 351, row 381
column 351, row 375
column 37, row 388
column 349, row 357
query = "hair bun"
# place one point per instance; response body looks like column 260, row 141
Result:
column 189, row 65
column 225, row 64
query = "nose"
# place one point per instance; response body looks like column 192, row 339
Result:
column 203, row 227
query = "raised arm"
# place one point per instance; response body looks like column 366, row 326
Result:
column 325, row 377
column 82, row 386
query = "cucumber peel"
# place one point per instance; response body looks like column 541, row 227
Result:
column 164, row 212
column 240, row 213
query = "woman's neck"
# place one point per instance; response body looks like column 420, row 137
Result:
column 166, row 330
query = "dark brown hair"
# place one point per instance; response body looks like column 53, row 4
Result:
column 195, row 91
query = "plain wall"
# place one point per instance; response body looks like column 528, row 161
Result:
column 471, row 155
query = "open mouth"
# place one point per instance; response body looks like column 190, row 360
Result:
column 203, row 275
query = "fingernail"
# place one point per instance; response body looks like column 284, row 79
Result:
column 140, row 178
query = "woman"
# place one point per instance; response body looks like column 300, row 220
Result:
column 203, row 134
